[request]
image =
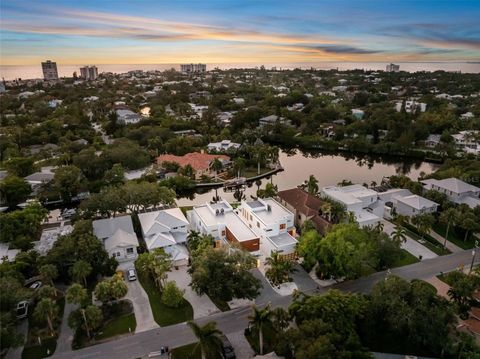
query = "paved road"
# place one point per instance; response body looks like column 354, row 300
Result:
column 139, row 345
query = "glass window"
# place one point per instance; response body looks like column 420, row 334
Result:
column 129, row 250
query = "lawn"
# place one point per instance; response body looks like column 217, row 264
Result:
column 406, row 259
column 163, row 315
column 118, row 326
column 453, row 237
column 428, row 241
column 40, row 351
column 186, row 352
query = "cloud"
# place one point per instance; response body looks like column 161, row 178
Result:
column 343, row 49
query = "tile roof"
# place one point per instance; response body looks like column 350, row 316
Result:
column 198, row 161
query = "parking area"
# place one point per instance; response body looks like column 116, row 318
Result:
column 202, row 305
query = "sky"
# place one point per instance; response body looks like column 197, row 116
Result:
column 241, row 31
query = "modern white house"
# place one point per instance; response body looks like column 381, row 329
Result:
column 414, row 205
column 222, row 146
column 456, row 190
column 361, row 201
column 118, row 237
column 273, row 224
column 167, row 229
column 222, row 222
column 468, row 141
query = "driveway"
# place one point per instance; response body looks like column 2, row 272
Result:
column 267, row 293
column 202, row 305
column 410, row 245
column 240, row 345
column 141, row 305
column 302, row 279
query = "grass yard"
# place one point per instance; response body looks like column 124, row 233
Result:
column 453, row 237
column 40, row 351
column 186, row 352
column 118, row 326
column 428, row 241
column 164, row 315
column 406, row 259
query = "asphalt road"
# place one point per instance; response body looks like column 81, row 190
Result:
column 139, row 345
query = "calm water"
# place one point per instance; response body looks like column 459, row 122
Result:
column 10, row 72
column 328, row 169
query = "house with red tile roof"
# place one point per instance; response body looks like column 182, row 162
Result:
column 200, row 162
column 305, row 206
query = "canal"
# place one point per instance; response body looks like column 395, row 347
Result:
column 329, row 169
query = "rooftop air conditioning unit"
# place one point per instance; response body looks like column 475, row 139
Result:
column 217, row 212
column 222, row 211
column 269, row 208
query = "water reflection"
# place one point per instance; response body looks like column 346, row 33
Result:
column 328, row 167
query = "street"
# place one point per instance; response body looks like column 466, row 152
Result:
column 139, row 345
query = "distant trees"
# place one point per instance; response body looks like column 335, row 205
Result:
column 14, row 190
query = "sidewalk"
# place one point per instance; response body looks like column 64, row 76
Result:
column 64, row 341
column 450, row 246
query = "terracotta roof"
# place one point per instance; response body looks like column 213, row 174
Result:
column 198, row 161
column 306, row 204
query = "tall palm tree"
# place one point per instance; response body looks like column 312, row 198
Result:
column 379, row 227
column 258, row 319
column 312, row 185
column 238, row 165
column 208, row 337
column 279, row 268
column 78, row 295
column 81, row 270
column 216, row 166
column 423, row 222
column 399, row 234
column 448, row 217
column 47, row 309
column 326, row 209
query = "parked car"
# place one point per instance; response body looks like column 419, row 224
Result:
column 227, row 348
column 35, row 285
column 22, row 309
column 131, row 274
column 67, row 213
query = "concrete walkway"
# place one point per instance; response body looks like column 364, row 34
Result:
column 410, row 245
column 450, row 246
column 141, row 306
column 242, row 347
column 64, row 341
column 441, row 287
column 202, row 305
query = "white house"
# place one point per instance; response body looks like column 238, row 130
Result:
column 272, row 120
column 456, row 190
column 414, row 205
column 222, row 146
column 359, row 200
column 126, row 116
column 468, row 141
column 433, row 140
column 357, row 113
column 273, row 223
column 221, row 222
column 167, row 229
column 118, row 237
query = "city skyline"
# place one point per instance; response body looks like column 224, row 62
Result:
column 149, row 32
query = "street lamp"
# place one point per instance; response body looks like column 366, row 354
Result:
column 473, row 259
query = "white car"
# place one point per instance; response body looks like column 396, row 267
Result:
column 131, row 274
column 35, row 285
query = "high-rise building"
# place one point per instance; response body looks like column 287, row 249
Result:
column 189, row 68
column 393, row 68
column 49, row 69
column 89, row 72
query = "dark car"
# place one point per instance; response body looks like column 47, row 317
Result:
column 227, row 348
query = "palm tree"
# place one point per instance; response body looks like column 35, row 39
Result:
column 258, row 319
column 312, row 185
column 448, row 217
column 238, row 165
column 78, row 295
column 81, row 270
column 46, row 309
column 399, row 234
column 49, row 273
column 281, row 319
column 379, row 227
column 423, row 222
column 216, row 166
column 279, row 268
column 208, row 337
column 326, row 209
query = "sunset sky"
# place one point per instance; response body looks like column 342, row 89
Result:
column 242, row 31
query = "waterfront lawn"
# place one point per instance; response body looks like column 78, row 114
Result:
column 164, row 315
column 253, row 171
column 117, row 326
column 186, row 352
column 427, row 241
column 406, row 258
column 453, row 237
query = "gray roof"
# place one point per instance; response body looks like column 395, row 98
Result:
column 120, row 239
column 417, row 202
column 105, row 228
column 452, row 184
column 40, row 177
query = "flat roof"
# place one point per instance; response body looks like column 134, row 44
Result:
column 282, row 240
column 277, row 211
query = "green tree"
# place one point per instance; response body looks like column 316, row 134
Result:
column 156, row 264
column 259, row 319
column 115, row 176
column 462, row 290
column 14, row 190
column 308, row 248
column 68, row 181
column 76, row 294
column 47, row 291
column 49, row 273
column 80, row 271
column 172, row 296
column 239, row 165
column 20, row 166
column 217, row 166
column 312, row 185
column 89, row 318
column 224, row 276
column 279, row 269
column 270, row 191
column 424, row 223
column 208, row 337
column 46, row 310
column 111, row 289
column 399, row 234
column 449, row 217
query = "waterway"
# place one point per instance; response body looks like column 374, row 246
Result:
column 329, row 169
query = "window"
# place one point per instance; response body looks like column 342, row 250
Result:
column 282, row 226
column 223, row 233
column 129, row 250
column 251, row 217
column 258, row 224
